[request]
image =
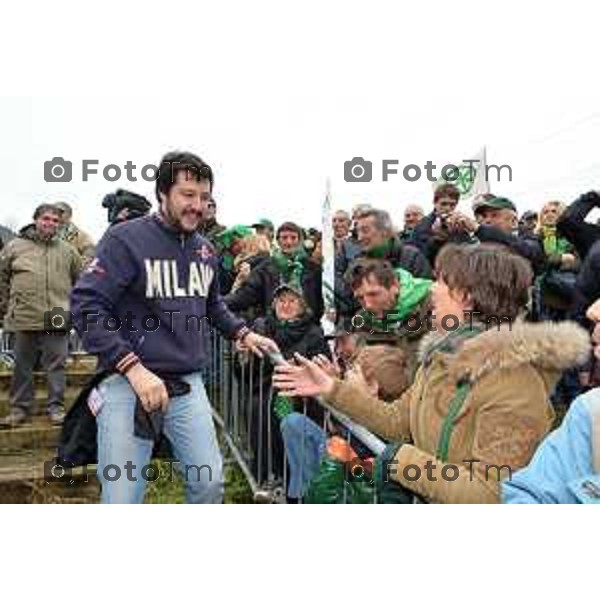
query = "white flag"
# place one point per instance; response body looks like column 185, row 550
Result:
column 471, row 177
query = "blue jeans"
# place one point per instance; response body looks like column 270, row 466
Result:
column 304, row 443
column 189, row 427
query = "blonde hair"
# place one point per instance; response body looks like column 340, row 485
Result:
column 253, row 245
column 256, row 244
column 561, row 206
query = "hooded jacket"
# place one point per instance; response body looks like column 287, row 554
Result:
column 406, row 323
column 509, row 375
column 566, row 467
column 160, row 287
column 36, row 276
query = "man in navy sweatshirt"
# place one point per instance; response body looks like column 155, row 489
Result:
column 143, row 306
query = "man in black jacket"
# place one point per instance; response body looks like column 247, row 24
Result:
column 496, row 222
column 572, row 224
column 433, row 231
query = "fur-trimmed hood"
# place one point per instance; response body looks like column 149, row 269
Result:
column 548, row 346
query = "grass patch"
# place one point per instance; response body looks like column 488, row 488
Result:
column 165, row 491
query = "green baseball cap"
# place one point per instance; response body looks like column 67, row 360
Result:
column 237, row 232
column 494, row 203
column 264, row 223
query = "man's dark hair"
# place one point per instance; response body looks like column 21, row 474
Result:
column 446, row 190
column 290, row 226
column 497, row 280
column 178, row 162
column 364, row 268
column 44, row 208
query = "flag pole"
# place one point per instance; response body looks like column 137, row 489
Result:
column 328, row 277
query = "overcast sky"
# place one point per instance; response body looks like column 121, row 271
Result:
column 276, row 108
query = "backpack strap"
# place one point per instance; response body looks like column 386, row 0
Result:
column 457, row 402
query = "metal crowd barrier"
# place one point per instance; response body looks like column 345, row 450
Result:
column 241, row 395
column 240, row 391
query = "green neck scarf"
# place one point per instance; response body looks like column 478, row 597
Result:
column 290, row 267
column 382, row 250
column 553, row 244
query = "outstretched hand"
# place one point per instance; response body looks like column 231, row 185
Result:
column 304, row 379
column 332, row 369
column 258, row 344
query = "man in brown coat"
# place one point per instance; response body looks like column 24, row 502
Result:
column 37, row 271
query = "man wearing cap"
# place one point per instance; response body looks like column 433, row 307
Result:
column 69, row 232
column 288, row 264
column 496, row 222
column 266, row 228
column 229, row 244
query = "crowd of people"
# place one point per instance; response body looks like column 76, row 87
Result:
column 458, row 338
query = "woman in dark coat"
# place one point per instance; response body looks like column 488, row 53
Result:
column 291, row 325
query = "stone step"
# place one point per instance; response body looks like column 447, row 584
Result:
column 37, row 433
column 40, row 401
column 22, row 480
column 40, row 380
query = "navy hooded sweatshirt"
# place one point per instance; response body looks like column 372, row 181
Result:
column 151, row 292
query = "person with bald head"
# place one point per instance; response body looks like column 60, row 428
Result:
column 413, row 214
column 341, row 223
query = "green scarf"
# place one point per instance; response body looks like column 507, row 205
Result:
column 553, row 244
column 453, row 340
column 290, row 267
column 282, row 406
column 381, row 251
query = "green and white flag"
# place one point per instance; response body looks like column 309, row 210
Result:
column 470, row 177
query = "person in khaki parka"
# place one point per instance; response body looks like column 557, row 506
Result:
column 37, row 271
column 479, row 406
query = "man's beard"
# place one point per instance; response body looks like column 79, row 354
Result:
column 176, row 221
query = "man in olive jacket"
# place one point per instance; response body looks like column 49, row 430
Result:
column 37, row 271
